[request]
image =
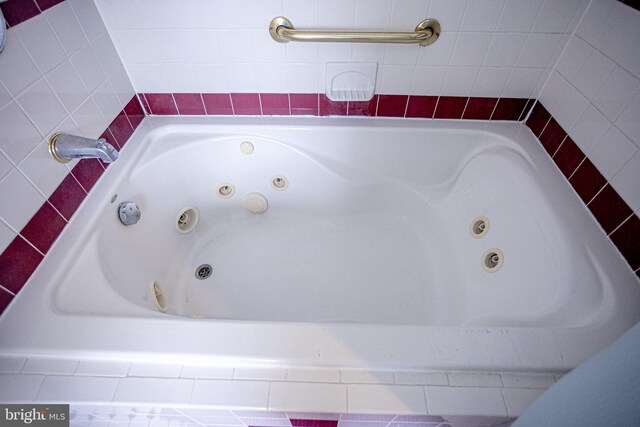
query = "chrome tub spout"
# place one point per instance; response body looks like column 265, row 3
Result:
column 64, row 147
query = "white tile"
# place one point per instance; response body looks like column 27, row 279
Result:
column 49, row 366
column 10, row 364
column 364, row 376
column 473, row 379
column 272, row 78
column 308, row 397
column 319, row 375
column 89, row 120
column 396, row 399
column 626, row 182
column 421, row 378
column 313, row 416
column 617, row 33
column 338, row 14
column 428, row 80
column 449, row 12
column 76, row 389
column 597, row 13
column 631, row 57
column 266, row 422
column 5, row 97
column 206, row 372
column 6, row 236
column 374, row 14
column 395, row 79
column 158, row 370
column 538, row 50
column 19, row 200
column 5, row 165
column 570, row 108
column 18, row 136
column 616, row 91
column 629, row 120
column 107, row 102
column 336, row 52
column 490, row 82
column 472, row 401
column 42, row 172
column 519, row 399
column 402, row 54
column 593, row 73
column 106, row 52
column 546, row 73
column 438, row 53
column 261, row 12
column 231, row 394
column 573, row 58
column 274, row 374
column 370, row 417
column 504, row 49
column 556, row 16
column 67, row 28
column 553, row 91
column 102, row 368
column 481, row 15
column 121, row 13
column 66, row 83
column 241, row 78
column 17, row 70
column 470, row 49
column 88, row 68
column 42, row 106
column 302, row 12
column 122, row 86
column 459, row 81
column 265, row 49
column 518, row 15
column 210, row 78
column 153, row 390
column 19, row 388
column 405, row 14
column 38, row 39
column 589, row 128
column 89, row 18
column 612, row 152
column 540, row 381
column 522, row 82
column 236, row 45
column 260, row 414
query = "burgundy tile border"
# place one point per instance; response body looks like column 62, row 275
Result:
column 609, row 209
column 328, row 107
column 392, row 105
column 627, row 238
column 246, row 104
column 509, row 109
column 631, row 3
column 363, row 108
column 18, row 11
column 161, row 103
column 23, row 255
column 275, row 104
column 479, row 108
column 568, row 157
column 313, row 423
column 552, row 136
column 189, row 104
column 304, row 104
column 46, row 4
column 587, row 181
column 538, row 119
column 421, row 106
column 450, row 107
column 217, row 104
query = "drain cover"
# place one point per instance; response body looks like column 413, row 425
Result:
column 203, row 272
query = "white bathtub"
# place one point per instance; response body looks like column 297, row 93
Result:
column 366, row 259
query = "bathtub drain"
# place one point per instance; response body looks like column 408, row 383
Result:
column 203, row 272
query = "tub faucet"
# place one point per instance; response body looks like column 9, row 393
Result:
column 64, row 147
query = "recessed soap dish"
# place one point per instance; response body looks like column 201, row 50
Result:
column 350, row 81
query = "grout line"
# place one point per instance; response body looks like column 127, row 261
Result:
column 560, row 146
column 621, row 224
column 7, row 290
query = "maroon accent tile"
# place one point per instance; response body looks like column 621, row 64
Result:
column 304, row 104
column 627, row 240
column 44, row 228
column 313, row 423
column 392, row 105
column 87, row 172
column 17, row 11
column 5, row 300
column 552, row 136
column 538, row 119
column 246, row 104
column 527, row 107
column 568, row 157
column 68, row 196
column 144, row 103
column 46, row 4
column 421, row 106
column 332, row 108
column 450, row 107
column 108, row 136
column 609, row 209
column 17, row 263
column 509, row 109
column 479, row 108
column 275, row 104
column 121, row 129
column 161, row 104
column 134, row 112
column 587, row 180
column 217, row 104
column 363, row 108
column 189, row 104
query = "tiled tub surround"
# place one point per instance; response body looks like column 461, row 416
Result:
column 58, row 72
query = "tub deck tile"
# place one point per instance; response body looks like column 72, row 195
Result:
column 471, row 401
column 394, row 399
column 309, row 397
column 231, row 394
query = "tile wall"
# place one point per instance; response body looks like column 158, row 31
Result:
column 588, row 119
column 59, row 72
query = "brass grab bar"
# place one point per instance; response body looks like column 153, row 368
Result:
column 282, row 31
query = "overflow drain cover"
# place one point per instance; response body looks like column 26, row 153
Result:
column 203, row 272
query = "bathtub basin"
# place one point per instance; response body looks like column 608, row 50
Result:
column 367, row 258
